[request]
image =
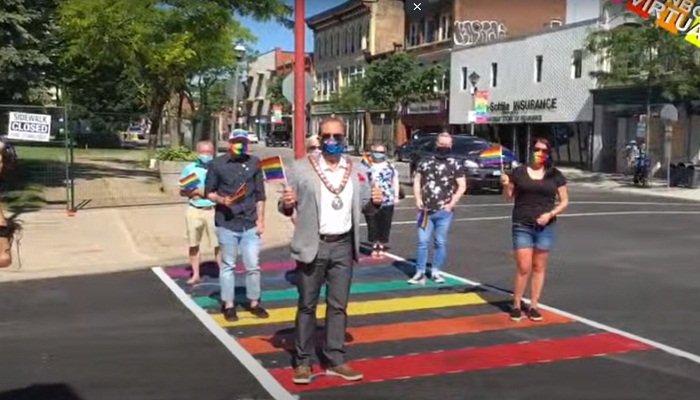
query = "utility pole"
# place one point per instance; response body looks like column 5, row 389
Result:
column 299, row 111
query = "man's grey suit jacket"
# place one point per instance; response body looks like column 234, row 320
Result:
column 302, row 178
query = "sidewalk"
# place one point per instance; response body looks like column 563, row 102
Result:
column 116, row 239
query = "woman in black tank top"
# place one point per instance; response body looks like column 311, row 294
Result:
column 534, row 189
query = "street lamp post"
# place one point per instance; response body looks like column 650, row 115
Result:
column 240, row 54
column 473, row 79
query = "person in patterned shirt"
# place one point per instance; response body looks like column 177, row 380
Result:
column 438, row 184
column 383, row 174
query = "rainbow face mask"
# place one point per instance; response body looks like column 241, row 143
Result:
column 238, row 148
column 540, row 158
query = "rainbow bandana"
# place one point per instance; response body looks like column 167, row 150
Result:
column 238, row 148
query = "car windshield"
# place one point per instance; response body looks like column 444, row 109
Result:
column 466, row 146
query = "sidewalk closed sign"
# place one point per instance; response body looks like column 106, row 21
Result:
column 34, row 127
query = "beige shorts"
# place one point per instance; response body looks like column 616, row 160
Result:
column 200, row 222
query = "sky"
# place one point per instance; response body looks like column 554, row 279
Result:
column 271, row 34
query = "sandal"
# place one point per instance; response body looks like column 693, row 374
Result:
column 375, row 250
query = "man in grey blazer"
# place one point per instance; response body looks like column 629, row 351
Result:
column 329, row 193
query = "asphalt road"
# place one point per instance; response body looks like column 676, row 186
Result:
column 627, row 262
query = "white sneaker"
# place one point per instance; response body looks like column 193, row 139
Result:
column 418, row 279
column 437, row 277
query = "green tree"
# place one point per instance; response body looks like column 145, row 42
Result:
column 274, row 93
column 639, row 53
column 166, row 44
column 350, row 99
column 394, row 82
column 27, row 38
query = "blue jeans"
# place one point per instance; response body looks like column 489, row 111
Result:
column 248, row 243
column 533, row 237
column 440, row 222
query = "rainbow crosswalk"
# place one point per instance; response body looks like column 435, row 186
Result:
column 399, row 332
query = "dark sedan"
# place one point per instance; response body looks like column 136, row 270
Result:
column 468, row 150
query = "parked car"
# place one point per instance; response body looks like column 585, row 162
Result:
column 278, row 139
column 405, row 151
column 468, row 150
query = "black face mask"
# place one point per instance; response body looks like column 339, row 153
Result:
column 442, row 152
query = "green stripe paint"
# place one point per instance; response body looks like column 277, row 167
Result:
column 356, row 288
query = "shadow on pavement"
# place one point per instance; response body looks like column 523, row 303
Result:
column 53, row 391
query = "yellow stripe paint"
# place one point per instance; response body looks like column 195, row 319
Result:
column 280, row 315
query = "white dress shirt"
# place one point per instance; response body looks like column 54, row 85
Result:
column 335, row 222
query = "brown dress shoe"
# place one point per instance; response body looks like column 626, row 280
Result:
column 345, row 371
column 302, row 375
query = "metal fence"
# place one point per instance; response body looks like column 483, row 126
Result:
column 93, row 160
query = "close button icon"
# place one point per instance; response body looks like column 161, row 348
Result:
column 416, row 6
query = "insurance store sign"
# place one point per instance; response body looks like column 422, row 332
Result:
column 522, row 110
column 32, row 127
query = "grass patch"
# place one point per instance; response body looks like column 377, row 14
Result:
column 59, row 153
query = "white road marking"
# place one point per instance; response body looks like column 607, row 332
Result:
column 668, row 349
column 591, row 214
column 258, row 371
column 602, row 203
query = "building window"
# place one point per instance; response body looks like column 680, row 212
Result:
column 538, row 69
column 352, row 40
column 337, row 43
column 442, row 85
column 445, row 29
column 430, row 28
column 346, row 75
column 465, row 78
column 319, row 87
column 348, row 41
column 577, row 64
column 494, row 74
column 358, row 38
column 412, row 39
column 316, row 44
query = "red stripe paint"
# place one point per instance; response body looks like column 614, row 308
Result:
column 180, row 273
column 471, row 359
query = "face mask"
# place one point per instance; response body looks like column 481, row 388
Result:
column 540, row 158
column 378, row 157
column 442, row 152
column 205, row 159
column 238, row 148
column 332, row 147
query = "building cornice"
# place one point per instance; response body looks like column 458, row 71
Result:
column 348, row 10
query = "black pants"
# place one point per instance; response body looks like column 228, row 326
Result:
column 332, row 267
column 379, row 225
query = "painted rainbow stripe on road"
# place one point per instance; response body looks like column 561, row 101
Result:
column 398, row 332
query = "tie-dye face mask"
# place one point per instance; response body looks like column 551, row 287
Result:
column 540, row 157
column 238, row 148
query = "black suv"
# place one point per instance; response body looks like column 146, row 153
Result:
column 467, row 150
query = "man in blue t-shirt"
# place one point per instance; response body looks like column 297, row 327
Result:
column 200, row 212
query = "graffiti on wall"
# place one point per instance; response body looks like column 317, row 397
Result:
column 468, row 33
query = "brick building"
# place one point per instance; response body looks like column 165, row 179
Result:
column 344, row 36
column 450, row 25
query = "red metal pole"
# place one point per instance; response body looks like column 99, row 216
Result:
column 299, row 84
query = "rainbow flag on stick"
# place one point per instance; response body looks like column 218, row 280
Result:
column 366, row 161
column 492, row 156
column 273, row 169
column 240, row 193
column 423, row 219
column 190, row 182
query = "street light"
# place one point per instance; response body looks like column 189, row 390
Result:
column 240, row 52
column 473, row 79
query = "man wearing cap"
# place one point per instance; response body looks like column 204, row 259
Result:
column 235, row 183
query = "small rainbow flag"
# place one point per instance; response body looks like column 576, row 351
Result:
column 423, row 219
column 492, row 156
column 240, row 193
column 366, row 161
column 273, row 169
column 190, row 182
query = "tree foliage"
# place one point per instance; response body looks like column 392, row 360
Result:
column 639, row 53
column 349, row 98
column 27, row 49
column 274, row 93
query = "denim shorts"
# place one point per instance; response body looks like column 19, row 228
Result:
column 533, row 237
